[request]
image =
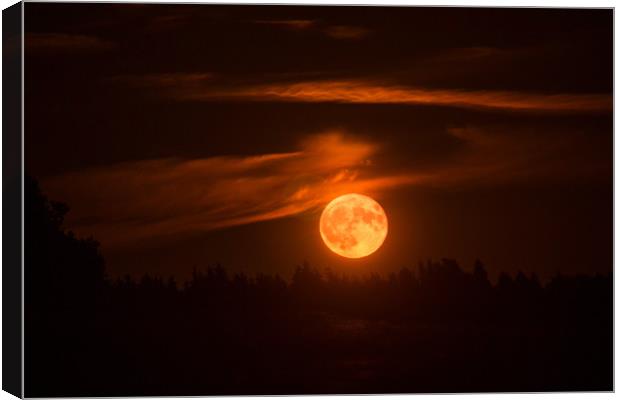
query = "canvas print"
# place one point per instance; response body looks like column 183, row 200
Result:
column 278, row 200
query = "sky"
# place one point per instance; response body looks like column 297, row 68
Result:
column 182, row 136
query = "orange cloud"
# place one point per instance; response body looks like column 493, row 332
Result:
column 348, row 91
column 342, row 32
column 144, row 199
column 346, row 32
column 289, row 23
column 200, row 87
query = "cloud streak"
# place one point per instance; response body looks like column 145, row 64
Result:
column 289, row 23
column 197, row 87
column 360, row 92
column 139, row 200
column 340, row 32
column 346, row 32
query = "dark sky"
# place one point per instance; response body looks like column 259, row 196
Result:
column 184, row 135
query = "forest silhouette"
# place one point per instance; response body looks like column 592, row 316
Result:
column 435, row 328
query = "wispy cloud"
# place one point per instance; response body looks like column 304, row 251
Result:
column 65, row 42
column 134, row 201
column 138, row 200
column 346, row 32
column 375, row 93
column 289, row 23
column 197, row 88
column 202, row 87
column 341, row 32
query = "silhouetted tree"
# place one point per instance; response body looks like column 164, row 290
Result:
column 64, row 281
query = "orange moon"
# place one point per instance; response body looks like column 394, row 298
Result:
column 353, row 225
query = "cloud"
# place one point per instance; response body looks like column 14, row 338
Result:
column 289, row 23
column 498, row 155
column 139, row 200
column 362, row 92
column 346, row 32
column 65, row 42
column 341, row 32
column 196, row 87
column 142, row 200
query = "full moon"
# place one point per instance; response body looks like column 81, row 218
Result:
column 353, row 225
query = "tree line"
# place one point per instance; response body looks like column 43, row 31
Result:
column 435, row 328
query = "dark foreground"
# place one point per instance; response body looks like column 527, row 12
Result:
column 439, row 329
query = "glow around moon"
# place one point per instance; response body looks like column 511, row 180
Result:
column 353, row 225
